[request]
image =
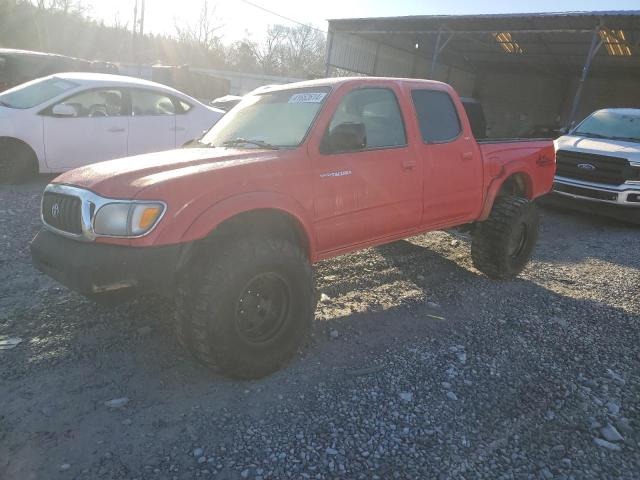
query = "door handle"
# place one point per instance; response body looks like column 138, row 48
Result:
column 115, row 130
column 178, row 129
column 467, row 155
column 409, row 164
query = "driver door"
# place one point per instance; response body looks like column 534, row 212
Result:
column 97, row 131
column 372, row 191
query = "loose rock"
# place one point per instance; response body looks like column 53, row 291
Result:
column 406, row 396
column 606, row 444
column 117, row 402
column 611, row 434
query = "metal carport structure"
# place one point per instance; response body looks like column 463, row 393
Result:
column 529, row 70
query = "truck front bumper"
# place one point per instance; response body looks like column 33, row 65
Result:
column 616, row 201
column 627, row 194
column 100, row 270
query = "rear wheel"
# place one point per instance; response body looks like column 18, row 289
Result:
column 17, row 162
column 501, row 245
column 248, row 308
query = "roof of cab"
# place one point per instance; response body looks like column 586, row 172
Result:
column 337, row 81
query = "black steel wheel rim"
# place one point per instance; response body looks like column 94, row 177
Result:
column 262, row 308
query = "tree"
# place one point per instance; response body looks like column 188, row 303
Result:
column 241, row 56
column 294, row 51
column 303, row 50
column 269, row 52
column 63, row 6
column 203, row 31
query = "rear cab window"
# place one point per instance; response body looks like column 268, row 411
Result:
column 437, row 116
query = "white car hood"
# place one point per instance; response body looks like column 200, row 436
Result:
column 600, row 146
column 5, row 112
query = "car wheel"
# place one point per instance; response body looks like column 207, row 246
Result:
column 501, row 245
column 246, row 311
column 18, row 163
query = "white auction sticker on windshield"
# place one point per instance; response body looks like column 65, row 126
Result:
column 307, row 97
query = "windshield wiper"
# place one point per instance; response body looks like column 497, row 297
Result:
column 241, row 141
column 591, row 135
column 198, row 144
column 629, row 139
column 5, row 104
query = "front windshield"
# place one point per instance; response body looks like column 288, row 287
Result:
column 34, row 93
column 274, row 119
column 612, row 125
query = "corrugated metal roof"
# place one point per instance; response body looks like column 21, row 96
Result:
column 556, row 43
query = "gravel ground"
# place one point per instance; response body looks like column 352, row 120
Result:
column 418, row 367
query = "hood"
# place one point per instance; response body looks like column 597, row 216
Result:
column 6, row 112
column 126, row 177
column 600, row 146
column 219, row 111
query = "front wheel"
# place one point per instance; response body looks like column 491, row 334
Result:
column 501, row 245
column 17, row 162
column 246, row 310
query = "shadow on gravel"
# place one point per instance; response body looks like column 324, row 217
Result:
column 534, row 342
column 525, row 346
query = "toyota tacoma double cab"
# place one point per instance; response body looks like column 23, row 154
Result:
column 294, row 174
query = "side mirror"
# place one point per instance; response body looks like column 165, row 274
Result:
column 344, row 137
column 64, row 110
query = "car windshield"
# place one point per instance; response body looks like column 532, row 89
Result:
column 269, row 120
column 34, row 93
column 611, row 125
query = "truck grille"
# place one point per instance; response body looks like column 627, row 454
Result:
column 62, row 212
column 593, row 168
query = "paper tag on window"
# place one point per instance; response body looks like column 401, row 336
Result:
column 307, row 97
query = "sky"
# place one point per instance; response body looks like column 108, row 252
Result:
column 238, row 19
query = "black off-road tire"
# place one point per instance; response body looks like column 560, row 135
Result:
column 214, row 291
column 17, row 162
column 501, row 246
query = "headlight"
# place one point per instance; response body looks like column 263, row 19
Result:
column 127, row 219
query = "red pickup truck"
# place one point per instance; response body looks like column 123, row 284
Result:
column 294, row 174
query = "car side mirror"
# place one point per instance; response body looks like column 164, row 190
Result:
column 64, row 110
column 344, row 137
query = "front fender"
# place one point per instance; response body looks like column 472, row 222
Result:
column 217, row 213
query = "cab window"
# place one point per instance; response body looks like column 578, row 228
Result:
column 437, row 116
column 372, row 115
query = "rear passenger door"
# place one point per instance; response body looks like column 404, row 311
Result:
column 453, row 174
column 372, row 191
column 152, row 125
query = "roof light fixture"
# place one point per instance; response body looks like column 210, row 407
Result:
column 616, row 42
column 507, row 43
